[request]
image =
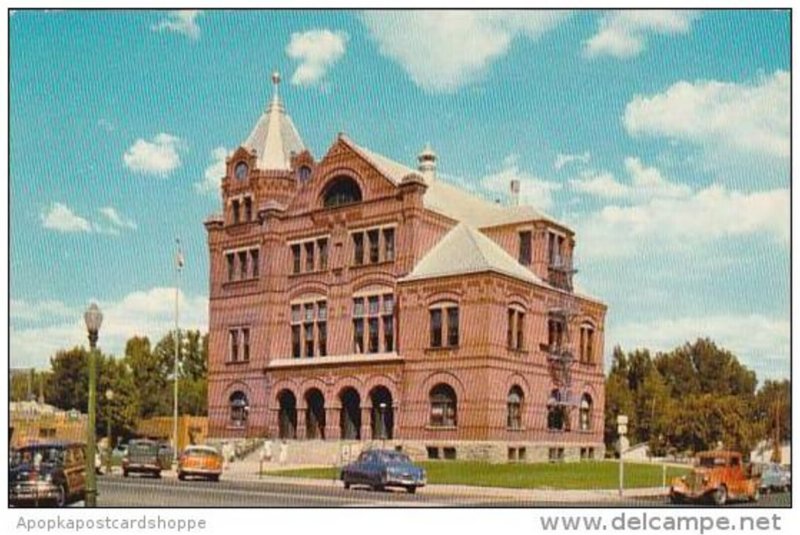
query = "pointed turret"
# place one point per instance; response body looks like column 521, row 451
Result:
column 274, row 138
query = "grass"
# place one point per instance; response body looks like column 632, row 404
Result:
column 563, row 476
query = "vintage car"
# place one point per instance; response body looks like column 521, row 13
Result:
column 775, row 477
column 383, row 468
column 47, row 473
column 200, row 461
column 718, row 477
column 142, row 457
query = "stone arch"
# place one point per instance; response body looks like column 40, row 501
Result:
column 350, row 401
column 287, row 414
column 381, row 412
column 314, row 402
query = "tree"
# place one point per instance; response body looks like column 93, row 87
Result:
column 70, row 386
column 773, row 409
column 150, row 371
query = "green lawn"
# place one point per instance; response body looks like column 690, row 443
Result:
column 583, row 475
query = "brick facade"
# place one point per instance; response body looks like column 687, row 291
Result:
column 260, row 385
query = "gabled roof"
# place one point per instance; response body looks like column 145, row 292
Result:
column 466, row 250
column 448, row 199
column 274, row 137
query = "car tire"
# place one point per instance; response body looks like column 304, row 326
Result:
column 61, row 498
column 346, row 485
column 756, row 496
column 124, row 473
column 411, row 489
column 378, row 488
column 181, row 476
column 720, row 495
column 675, row 498
column 157, row 475
column 215, row 477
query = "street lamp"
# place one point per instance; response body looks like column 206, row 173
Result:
column 109, row 398
column 94, row 319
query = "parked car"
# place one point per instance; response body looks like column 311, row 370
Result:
column 717, row 476
column 384, row 468
column 200, row 461
column 118, row 453
column 774, row 477
column 165, row 455
column 142, row 457
column 47, row 473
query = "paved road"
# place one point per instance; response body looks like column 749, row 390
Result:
column 115, row 491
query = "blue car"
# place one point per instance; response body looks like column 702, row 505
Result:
column 383, row 468
column 775, row 477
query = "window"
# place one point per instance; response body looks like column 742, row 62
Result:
column 296, row 258
column 525, row 247
column 374, row 246
column 433, row 452
column 230, row 257
column 254, row 262
column 309, row 246
column 443, row 406
column 514, row 408
column 436, row 327
column 239, row 409
column 246, row 344
column 233, row 337
column 304, row 174
column 556, row 328
column 449, row 453
column 322, row 244
column 248, row 209
column 555, row 250
column 516, row 328
column 309, row 329
column 236, row 210
column 388, row 244
column 557, row 412
column 358, row 249
column 341, row 191
column 585, row 414
column 452, row 326
column 243, row 265
column 555, row 455
column 375, row 313
column 587, row 344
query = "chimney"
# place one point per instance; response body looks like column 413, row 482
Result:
column 427, row 163
column 515, row 192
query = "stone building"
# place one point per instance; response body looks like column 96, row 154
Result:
column 353, row 298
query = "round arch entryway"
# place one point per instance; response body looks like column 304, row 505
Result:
column 315, row 414
column 350, row 416
column 382, row 413
column 287, row 415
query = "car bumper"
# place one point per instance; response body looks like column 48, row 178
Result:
column 142, row 467
column 402, row 481
column 32, row 493
column 194, row 471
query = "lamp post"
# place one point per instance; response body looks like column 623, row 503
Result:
column 109, row 398
column 94, row 319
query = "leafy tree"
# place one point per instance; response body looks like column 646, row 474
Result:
column 70, row 386
column 773, row 409
column 151, row 374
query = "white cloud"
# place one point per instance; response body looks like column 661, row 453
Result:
column 22, row 310
column 761, row 343
column 183, row 21
column 148, row 312
column 749, row 117
column 62, row 219
column 444, row 50
column 675, row 223
column 646, row 183
column 563, row 160
column 317, row 51
column 623, row 34
column 214, row 172
column 533, row 190
column 157, row 157
column 116, row 219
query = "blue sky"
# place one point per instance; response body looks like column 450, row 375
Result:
column 661, row 137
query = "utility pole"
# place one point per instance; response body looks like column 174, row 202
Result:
column 622, row 430
column 178, row 267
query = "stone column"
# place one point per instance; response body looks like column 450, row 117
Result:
column 332, row 429
column 366, row 423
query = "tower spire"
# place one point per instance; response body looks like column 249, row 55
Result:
column 276, row 81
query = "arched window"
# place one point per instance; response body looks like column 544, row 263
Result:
column 556, row 412
column 341, row 190
column 443, row 406
column 586, row 413
column 515, row 399
column 239, row 409
column 304, row 174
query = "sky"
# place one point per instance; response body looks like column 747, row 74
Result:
column 661, row 137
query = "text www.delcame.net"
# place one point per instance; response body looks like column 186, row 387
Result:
column 683, row 523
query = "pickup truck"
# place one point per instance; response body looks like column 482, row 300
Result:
column 718, row 477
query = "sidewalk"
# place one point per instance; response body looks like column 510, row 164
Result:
column 248, row 469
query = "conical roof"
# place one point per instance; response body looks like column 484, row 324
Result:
column 274, row 137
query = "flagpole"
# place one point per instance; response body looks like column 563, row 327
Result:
column 178, row 266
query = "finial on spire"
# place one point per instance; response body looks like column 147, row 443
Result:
column 276, row 80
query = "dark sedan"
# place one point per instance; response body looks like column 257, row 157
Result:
column 383, row 468
column 47, row 473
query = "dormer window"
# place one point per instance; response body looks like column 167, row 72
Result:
column 240, row 171
column 341, row 191
column 304, row 174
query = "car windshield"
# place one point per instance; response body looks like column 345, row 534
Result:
column 711, row 462
column 394, row 457
column 41, row 455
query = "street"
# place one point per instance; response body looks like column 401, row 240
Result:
column 116, row 491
